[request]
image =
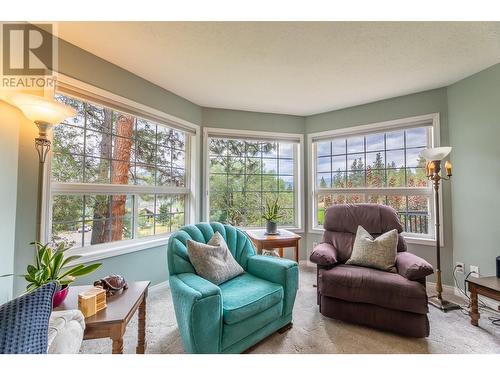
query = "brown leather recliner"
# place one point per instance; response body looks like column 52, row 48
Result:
column 395, row 302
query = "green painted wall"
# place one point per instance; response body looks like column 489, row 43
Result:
column 391, row 109
column 474, row 118
column 244, row 120
column 10, row 122
column 25, row 218
column 150, row 264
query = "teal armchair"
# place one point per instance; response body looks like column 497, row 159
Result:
column 235, row 315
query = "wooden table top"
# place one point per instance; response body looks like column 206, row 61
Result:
column 491, row 282
column 119, row 306
column 260, row 235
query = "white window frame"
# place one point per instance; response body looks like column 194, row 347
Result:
column 192, row 200
column 298, row 139
column 415, row 121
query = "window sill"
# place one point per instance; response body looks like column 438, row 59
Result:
column 421, row 241
column 408, row 238
column 109, row 250
column 291, row 229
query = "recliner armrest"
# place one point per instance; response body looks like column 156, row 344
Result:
column 412, row 267
column 324, row 254
column 199, row 286
column 280, row 271
column 198, row 309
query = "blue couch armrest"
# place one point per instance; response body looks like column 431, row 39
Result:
column 280, row 271
column 198, row 309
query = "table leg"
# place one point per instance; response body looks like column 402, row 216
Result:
column 474, row 314
column 118, row 346
column 297, row 251
column 259, row 248
column 281, row 252
column 141, row 336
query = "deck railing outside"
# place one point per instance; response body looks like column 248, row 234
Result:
column 415, row 221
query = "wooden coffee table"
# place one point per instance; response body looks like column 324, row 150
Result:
column 280, row 241
column 487, row 286
column 112, row 321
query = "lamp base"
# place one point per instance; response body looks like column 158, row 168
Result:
column 442, row 304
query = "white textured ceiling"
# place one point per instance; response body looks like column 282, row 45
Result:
column 298, row 68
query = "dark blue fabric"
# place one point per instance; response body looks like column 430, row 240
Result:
column 24, row 322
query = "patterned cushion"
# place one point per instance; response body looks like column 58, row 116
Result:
column 24, row 322
column 213, row 261
column 377, row 253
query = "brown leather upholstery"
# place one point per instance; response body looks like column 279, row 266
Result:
column 381, row 288
column 390, row 301
column 401, row 322
column 375, row 218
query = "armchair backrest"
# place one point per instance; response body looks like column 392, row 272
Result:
column 342, row 220
column 239, row 245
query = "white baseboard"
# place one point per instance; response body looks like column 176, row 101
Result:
column 163, row 284
column 446, row 288
column 492, row 304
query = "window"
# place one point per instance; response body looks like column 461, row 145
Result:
column 378, row 165
column 115, row 176
column 244, row 173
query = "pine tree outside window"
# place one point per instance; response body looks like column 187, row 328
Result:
column 115, row 177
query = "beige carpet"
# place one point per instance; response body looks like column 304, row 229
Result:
column 314, row 333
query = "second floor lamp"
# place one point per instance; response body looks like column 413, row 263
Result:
column 436, row 174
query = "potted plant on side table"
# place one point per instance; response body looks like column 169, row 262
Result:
column 272, row 215
column 51, row 264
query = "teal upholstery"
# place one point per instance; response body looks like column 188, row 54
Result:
column 258, row 296
column 239, row 313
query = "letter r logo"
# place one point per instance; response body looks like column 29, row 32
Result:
column 27, row 49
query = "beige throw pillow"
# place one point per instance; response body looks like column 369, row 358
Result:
column 377, row 252
column 213, row 261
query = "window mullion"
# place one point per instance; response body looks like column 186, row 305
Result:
column 135, row 215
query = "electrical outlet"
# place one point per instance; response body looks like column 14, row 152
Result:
column 460, row 267
column 474, row 270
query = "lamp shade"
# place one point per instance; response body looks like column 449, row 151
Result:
column 42, row 110
column 438, row 153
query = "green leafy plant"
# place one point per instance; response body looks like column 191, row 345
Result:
column 50, row 266
column 272, row 210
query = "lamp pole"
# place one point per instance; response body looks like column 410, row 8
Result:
column 42, row 145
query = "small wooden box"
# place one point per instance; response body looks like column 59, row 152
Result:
column 92, row 301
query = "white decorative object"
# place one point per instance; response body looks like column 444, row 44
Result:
column 271, row 253
column 66, row 332
column 438, row 153
column 42, row 110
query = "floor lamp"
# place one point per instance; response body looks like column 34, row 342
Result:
column 435, row 174
column 44, row 113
